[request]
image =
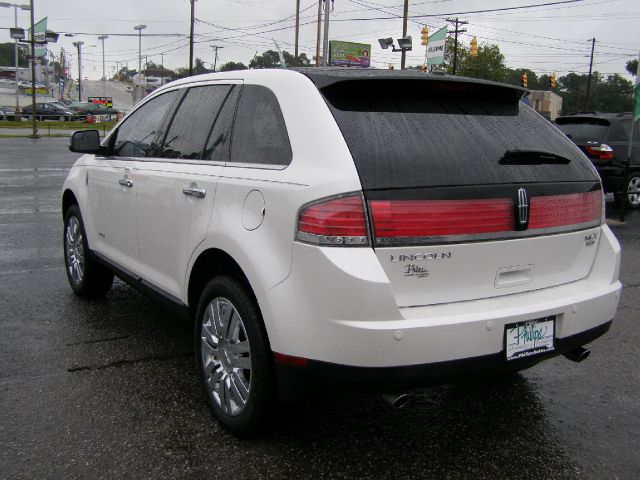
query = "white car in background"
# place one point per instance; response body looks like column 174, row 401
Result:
column 345, row 228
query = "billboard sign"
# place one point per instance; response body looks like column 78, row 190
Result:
column 349, row 54
column 435, row 47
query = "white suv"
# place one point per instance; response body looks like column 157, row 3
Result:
column 345, row 228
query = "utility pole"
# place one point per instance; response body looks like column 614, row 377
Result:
column 33, row 74
column 191, row 38
column 404, row 33
column 104, row 75
column 78, row 45
column 325, row 43
column 297, row 28
column 161, row 69
column 456, row 32
column 318, row 36
column 586, row 100
column 215, row 58
column 136, row 88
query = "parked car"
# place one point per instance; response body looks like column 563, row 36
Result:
column 83, row 109
column 604, row 138
column 345, row 228
column 49, row 111
column 7, row 113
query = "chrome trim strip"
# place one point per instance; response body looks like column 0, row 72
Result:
column 331, row 241
column 448, row 239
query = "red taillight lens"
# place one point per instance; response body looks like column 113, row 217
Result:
column 560, row 210
column 334, row 222
column 602, row 152
column 429, row 218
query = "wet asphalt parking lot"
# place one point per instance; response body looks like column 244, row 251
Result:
column 108, row 389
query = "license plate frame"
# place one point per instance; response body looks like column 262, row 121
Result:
column 529, row 338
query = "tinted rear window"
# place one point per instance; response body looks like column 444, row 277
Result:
column 582, row 130
column 413, row 133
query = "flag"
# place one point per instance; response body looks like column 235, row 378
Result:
column 435, row 47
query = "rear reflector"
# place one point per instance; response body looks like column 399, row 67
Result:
column 334, row 222
column 428, row 218
column 289, row 360
column 559, row 210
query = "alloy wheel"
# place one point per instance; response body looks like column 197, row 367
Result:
column 74, row 247
column 634, row 198
column 226, row 356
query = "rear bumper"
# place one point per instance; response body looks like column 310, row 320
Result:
column 296, row 381
column 337, row 310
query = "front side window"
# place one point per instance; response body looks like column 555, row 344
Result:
column 192, row 122
column 259, row 133
column 135, row 137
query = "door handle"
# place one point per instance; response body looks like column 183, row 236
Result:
column 194, row 192
column 125, row 182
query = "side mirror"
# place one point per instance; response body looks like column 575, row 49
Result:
column 85, row 141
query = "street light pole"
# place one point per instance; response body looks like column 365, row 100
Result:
column 78, row 45
column 15, row 15
column 136, row 89
column 325, row 44
column 104, row 76
column 191, row 37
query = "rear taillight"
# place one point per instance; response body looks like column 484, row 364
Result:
column 334, row 222
column 429, row 218
column 415, row 222
column 601, row 152
column 560, row 210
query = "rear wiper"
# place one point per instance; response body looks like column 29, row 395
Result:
column 532, row 157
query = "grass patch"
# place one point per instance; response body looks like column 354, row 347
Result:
column 44, row 126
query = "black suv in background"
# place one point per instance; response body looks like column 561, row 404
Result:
column 604, row 138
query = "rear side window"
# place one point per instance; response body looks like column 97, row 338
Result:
column 192, row 122
column 582, row 130
column 218, row 144
column 417, row 133
column 136, row 136
column 259, row 132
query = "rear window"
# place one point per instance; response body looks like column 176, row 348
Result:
column 416, row 133
column 582, row 130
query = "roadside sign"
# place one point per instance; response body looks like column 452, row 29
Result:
column 39, row 30
column 435, row 47
column 349, row 54
column 106, row 101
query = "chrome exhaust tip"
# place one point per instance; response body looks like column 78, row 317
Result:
column 396, row 400
column 578, row 354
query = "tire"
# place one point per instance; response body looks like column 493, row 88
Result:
column 86, row 277
column 633, row 200
column 234, row 359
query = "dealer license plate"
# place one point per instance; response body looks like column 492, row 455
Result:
column 529, row 338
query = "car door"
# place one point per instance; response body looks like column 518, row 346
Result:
column 177, row 189
column 113, row 182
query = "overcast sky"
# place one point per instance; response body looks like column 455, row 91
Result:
column 544, row 39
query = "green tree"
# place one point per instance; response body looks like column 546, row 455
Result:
column 7, row 55
column 229, row 66
column 489, row 64
column 271, row 59
column 632, row 67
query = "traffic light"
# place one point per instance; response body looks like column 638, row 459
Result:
column 524, row 80
column 552, row 80
column 474, row 47
column 424, row 35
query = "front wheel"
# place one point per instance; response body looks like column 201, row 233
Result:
column 233, row 356
column 86, row 277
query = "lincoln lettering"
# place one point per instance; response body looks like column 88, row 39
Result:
column 417, row 257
